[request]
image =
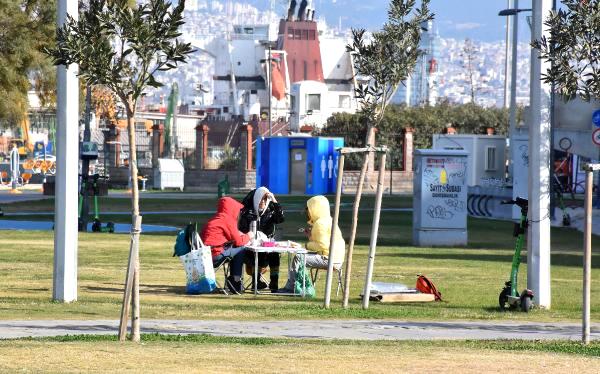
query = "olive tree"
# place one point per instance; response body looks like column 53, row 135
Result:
column 381, row 63
column 573, row 50
column 122, row 47
column 386, row 59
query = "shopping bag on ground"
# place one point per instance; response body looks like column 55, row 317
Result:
column 302, row 275
column 198, row 267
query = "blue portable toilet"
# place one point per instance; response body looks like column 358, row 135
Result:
column 298, row 164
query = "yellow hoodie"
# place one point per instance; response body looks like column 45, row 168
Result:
column 321, row 222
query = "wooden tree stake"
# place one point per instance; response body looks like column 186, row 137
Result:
column 374, row 232
column 359, row 189
column 334, row 225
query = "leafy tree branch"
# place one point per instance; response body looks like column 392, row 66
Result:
column 573, row 50
column 388, row 58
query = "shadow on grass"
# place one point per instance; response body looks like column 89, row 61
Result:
column 144, row 289
column 157, row 289
column 557, row 259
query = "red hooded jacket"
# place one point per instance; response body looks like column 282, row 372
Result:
column 222, row 228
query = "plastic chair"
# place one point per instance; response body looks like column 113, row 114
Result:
column 314, row 274
column 28, row 164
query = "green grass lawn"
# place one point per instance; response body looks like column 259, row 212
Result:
column 201, row 353
column 470, row 278
column 149, row 203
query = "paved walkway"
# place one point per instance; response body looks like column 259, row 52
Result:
column 340, row 329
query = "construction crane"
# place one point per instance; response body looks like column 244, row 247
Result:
column 171, row 121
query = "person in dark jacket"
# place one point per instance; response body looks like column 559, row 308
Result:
column 261, row 207
column 221, row 233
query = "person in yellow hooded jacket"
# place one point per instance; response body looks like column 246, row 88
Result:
column 319, row 235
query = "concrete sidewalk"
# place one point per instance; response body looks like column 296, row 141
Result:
column 310, row 329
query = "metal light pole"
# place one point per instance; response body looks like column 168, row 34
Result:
column 512, row 119
column 270, row 93
column 538, row 244
column 513, row 71
column 509, row 5
column 67, row 164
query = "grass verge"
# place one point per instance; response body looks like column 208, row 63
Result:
column 202, row 353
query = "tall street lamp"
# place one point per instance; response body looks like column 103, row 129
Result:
column 513, row 15
column 540, row 149
column 513, row 71
column 507, row 50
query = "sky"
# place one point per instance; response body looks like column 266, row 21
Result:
column 460, row 19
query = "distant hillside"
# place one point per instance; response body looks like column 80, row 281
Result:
column 353, row 13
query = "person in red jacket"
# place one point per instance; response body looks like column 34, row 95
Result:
column 226, row 241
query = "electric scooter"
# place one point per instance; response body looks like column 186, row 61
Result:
column 509, row 297
column 97, row 224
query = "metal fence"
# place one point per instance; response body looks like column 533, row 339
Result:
column 100, row 166
column 143, row 140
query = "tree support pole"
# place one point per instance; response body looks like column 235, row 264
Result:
column 357, row 198
column 133, row 269
column 334, row 225
column 587, row 252
column 374, row 232
column 129, row 280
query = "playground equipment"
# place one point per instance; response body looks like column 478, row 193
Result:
column 509, row 297
column 24, row 144
column 15, row 172
column 4, row 178
column 43, row 162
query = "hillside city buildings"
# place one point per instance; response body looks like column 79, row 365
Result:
column 439, row 75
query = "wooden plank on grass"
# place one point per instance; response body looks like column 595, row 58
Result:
column 404, row 297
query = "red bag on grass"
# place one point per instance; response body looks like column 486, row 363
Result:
column 425, row 285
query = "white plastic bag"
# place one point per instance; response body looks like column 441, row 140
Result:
column 258, row 239
column 199, row 268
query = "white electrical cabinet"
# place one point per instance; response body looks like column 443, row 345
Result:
column 487, row 156
column 169, row 174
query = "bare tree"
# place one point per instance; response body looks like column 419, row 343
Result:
column 470, row 59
